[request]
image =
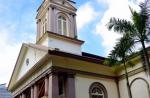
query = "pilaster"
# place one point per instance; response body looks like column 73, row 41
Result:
column 23, row 95
column 46, row 87
column 20, row 96
column 35, row 91
column 75, row 27
column 70, row 86
column 32, row 92
column 49, row 27
column 53, row 86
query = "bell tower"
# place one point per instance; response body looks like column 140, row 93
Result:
column 56, row 25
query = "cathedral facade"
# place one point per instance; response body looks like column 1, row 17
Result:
column 55, row 66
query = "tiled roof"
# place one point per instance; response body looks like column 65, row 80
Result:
column 4, row 92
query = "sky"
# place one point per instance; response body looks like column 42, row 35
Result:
column 18, row 25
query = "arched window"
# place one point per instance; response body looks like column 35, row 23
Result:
column 97, row 90
column 62, row 26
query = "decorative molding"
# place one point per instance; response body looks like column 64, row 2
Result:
column 100, row 86
column 55, row 35
column 32, row 83
column 57, row 69
column 132, row 73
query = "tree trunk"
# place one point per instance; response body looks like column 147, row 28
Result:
column 127, row 79
column 146, row 57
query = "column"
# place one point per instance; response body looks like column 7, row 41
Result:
column 52, row 19
column 37, row 37
column 49, row 27
column 46, row 87
column 71, row 29
column 75, row 27
column 70, row 86
column 53, row 86
column 20, row 95
column 32, row 92
column 23, row 95
column 38, row 29
column 35, row 91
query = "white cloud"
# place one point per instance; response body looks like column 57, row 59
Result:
column 85, row 15
column 9, row 50
column 13, row 31
column 8, row 54
column 118, row 9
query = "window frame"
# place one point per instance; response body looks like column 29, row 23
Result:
column 62, row 20
column 99, row 86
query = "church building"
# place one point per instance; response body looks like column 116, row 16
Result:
column 55, row 66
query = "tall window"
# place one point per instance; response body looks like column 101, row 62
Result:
column 62, row 26
column 97, row 90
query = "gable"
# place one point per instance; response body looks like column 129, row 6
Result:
column 28, row 51
column 30, row 58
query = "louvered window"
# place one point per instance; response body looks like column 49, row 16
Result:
column 62, row 26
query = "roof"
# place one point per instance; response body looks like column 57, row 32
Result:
column 84, row 57
column 87, row 57
column 4, row 92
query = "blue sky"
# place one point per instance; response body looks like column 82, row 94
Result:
column 18, row 25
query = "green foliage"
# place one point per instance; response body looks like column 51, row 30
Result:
column 120, row 25
column 121, row 52
column 138, row 28
column 133, row 31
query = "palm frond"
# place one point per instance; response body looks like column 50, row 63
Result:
column 116, row 69
column 137, row 30
column 145, row 7
column 120, row 25
column 130, row 64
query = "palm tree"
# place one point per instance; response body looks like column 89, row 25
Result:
column 138, row 28
column 119, row 57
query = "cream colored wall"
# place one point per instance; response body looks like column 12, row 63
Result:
column 83, row 82
column 34, row 56
column 138, row 65
column 139, row 88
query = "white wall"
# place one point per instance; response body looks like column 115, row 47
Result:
column 138, row 65
column 139, row 87
column 34, row 56
column 44, row 42
column 64, row 46
column 82, row 84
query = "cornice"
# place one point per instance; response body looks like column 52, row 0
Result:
column 60, row 37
